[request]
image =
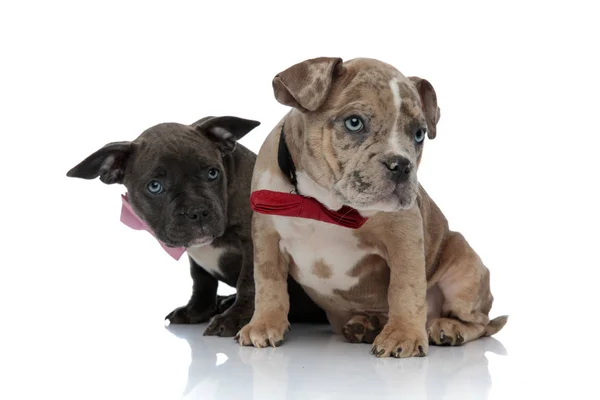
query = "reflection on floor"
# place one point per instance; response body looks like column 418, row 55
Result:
column 313, row 363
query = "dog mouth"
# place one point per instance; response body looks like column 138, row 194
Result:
column 196, row 242
column 203, row 241
column 175, row 234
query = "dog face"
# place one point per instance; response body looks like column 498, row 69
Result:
column 363, row 125
column 175, row 176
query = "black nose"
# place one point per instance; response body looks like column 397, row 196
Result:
column 197, row 214
column 399, row 168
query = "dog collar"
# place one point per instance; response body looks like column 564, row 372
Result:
column 296, row 205
column 132, row 220
column 285, row 161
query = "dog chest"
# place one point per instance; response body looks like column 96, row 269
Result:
column 207, row 257
column 324, row 255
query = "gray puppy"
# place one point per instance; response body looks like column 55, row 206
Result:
column 190, row 184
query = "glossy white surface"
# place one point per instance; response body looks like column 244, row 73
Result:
column 131, row 356
column 314, row 364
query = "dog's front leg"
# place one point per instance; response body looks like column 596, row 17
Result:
column 203, row 303
column 235, row 317
column 404, row 334
column 272, row 304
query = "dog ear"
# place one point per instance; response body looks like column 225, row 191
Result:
column 429, row 104
column 306, row 85
column 108, row 163
column 225, row 131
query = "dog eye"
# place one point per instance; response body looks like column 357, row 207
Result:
column 354, row 124
column 154, row 187
column 213, row 174
column 420, row 135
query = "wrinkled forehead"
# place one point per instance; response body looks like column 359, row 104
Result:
column 174, row 146
column 377, row 85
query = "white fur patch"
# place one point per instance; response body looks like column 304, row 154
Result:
column 394, row 137
column 395, row 92
column 308, row 187
column 277, row 183
column 308, row 241
column 207, row 257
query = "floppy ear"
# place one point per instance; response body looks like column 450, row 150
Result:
column 108, row 163
column 429, row 104
column 305, row 85
column 225, row 131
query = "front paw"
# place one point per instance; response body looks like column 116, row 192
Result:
column 264, row 332
column 228, row 323
column 191, row 314
column 400, row 342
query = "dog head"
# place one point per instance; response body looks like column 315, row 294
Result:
column 175, row 176
column 359, row 128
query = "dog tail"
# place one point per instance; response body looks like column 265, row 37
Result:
column 495, row 325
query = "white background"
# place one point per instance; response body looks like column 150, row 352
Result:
column 514, row 166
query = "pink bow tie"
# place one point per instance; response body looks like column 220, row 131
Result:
column 131, row 219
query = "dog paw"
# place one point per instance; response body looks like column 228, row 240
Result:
column 446, row 332
column 400, row 343
column 228, row 323
column 225, row 302
column 263, row 332
column 190, row 314
column 361, row 329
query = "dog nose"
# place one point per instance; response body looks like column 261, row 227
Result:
column 197, row 214
column 399, row 167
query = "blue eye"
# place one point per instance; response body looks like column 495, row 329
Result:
column 420, row 135
column 154, row 187
column 213, row 174
column 354, row 124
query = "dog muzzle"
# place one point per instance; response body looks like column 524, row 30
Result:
column 132, row 220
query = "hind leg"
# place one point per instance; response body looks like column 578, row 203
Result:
column 465, row 285
column 453, row 332
column 363, row 328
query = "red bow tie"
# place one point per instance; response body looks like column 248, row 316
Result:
column 294, row 205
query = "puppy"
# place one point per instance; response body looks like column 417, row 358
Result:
column 189, row 186
column 339, row 207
